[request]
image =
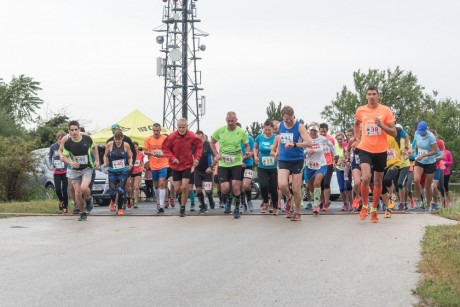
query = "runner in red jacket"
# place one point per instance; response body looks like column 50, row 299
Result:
column 183, row 149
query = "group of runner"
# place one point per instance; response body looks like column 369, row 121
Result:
column 376, row 154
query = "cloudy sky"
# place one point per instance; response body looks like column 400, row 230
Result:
column 97, row 59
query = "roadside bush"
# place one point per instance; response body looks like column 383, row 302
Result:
column 17, row 166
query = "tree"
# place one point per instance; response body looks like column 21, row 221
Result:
column 19, row 99
column 274, row 111
column 398, row 89
column 255, row 129
column 45, row 133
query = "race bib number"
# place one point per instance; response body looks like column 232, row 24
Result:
column 207, row 186
column 58, row 164
column 117, row 164
column 313, row 165
column 373, row 130
column 268, row 161
column 228, row 159
column 158, row 152
column 137, row 163
column 391, row 154
column 286, row 138
column 421, row 152
column 341, row 163
column 357, row 161
column 247, row 173
column 81, row 159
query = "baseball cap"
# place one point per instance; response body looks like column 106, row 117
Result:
column 115, row 126
column 314, row 127
column 422, row 127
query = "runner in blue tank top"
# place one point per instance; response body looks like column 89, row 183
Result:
column 290, row 144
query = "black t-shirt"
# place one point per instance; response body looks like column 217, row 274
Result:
column 127, row 139
column 206, row 157
column 80, row 151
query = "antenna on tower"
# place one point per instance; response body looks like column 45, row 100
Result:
column 180, row 44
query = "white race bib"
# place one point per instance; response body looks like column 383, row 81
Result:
column 373, row 130
column 268, row 161
column 117, row 164
column 421, row 152
column 137, row 163
column 247, row 173
column 228, row 159
column 357, row 161
column 158, row 152
column 81, row 159
column 207, row 186
column 58, row 164
column 391, row 154
column 286, row 138
column 313, row 165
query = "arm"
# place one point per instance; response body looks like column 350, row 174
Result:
column 357, row 131
column 214, row 149
column 255, row 152
column 166, row 148
column 305, row 137
column 106, row 153
column 96, row 157
column 390, row 128
column 275, row 148
column 198, row 144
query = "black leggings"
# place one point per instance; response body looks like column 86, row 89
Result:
column 390, row 177
column 446, row 182
column 268, row 183
column 61, row 185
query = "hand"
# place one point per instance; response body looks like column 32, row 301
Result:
column 195, row 162
column 256, row 160
column 75, row 164
column 209, row 169
column 289, row 145
column 243, row 165
column 419, row 158
column 52, row 167
column 310, row 151
column 96, row 165
column 175, row 161
column 355, row 144
column 378, row 122
column 217, row 158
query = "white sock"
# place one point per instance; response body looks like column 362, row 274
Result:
column 162, row 197
column 157, row 195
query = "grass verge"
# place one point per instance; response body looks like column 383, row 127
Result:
column 440, row 265
column 38, row 206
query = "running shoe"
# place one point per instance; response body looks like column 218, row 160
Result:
column 288, row 206
column 61, row 205
column 82, row 217
column 435, row 207
column 182, row 211
column 289, row 215
column 345, row 207
column 400, row 207
column 192, row 207
column 363, row 214
column 279, row 205
column 275, row 211
column 221, row 204
column 135, row 206
column 130, row 204
column 203, row 209
column 296, row 217
column 112, row 206
column 89, row 204
column 228, row 208
column 244, row 207
column 120, row 212
column 212, row 204
column 324, row 209
column 171, row 202
column 356, row 203
column 308, row 206
column 374, row 218
column 75, row 209
column 166, row 204
column 236, row 214
column 161, row 210
column 412, row 203
column 264, row 208
column 316, row 210
column 250, row 206
column 387, row 214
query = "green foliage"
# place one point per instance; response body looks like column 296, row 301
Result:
column 45, row 133
column 8, row 127
column 19, row 99
column 274, row 111
column 255, row 129
column 398, row 89
column 16, row 165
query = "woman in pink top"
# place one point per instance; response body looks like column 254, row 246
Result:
column 136, row 175
column 448, row 161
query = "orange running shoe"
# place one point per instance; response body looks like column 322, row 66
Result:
column 387, row 214
column 374, row 218
column 120, row 212
column 363, row 214
column 356, row 203
column 112, row 206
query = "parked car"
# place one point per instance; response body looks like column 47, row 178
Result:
column 43, row 174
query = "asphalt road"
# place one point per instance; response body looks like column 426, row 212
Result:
column 212, row 260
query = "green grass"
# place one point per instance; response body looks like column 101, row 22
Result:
column 37, row 206
column 440, row 265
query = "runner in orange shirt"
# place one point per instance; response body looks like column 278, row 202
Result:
column 158, row 164
column 373, row 121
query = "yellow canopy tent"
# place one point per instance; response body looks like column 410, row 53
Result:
column 135, row 125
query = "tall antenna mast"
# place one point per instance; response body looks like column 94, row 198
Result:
column 180, row 43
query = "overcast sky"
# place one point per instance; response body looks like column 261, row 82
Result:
column 97, row 59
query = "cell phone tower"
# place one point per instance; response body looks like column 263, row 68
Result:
column 181, row 44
